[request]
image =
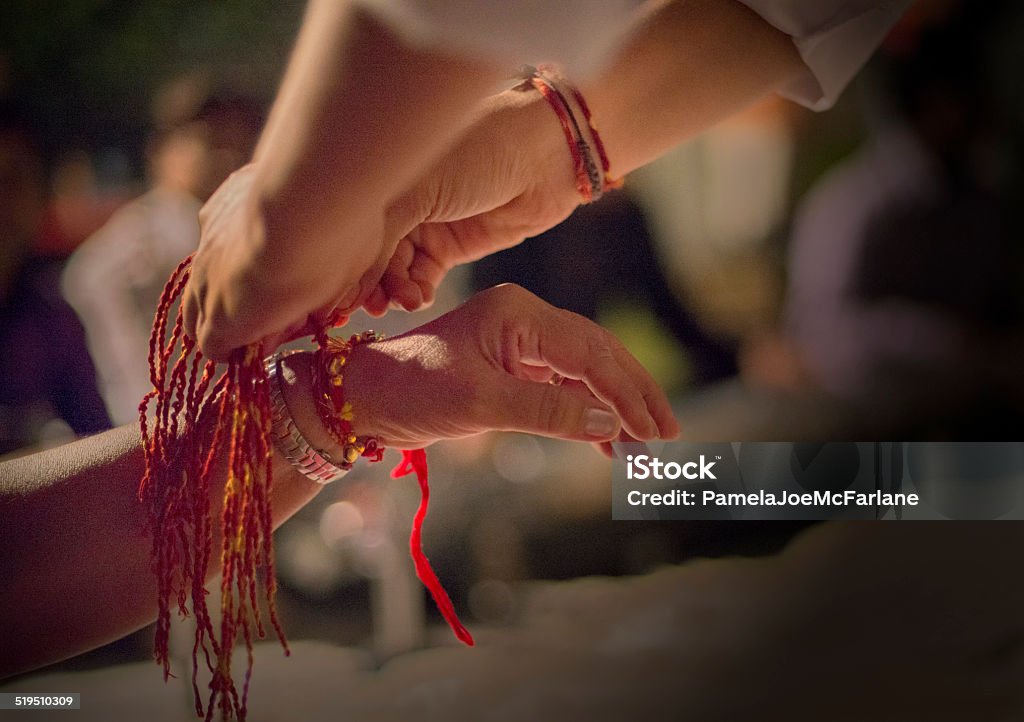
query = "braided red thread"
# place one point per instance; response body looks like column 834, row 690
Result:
column 160, row 320
column 416, row 461
column 578, row 164
column 175, row 487
column 606, row 165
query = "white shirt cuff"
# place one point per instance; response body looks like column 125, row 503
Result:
column 834, row 39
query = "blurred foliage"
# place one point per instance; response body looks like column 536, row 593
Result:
column 649, row 341
column 88, row 69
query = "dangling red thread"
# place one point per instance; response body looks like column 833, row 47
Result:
column 176, row 490
column 175, row 487
column 416, row 461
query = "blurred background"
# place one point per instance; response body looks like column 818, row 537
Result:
column 847, row 275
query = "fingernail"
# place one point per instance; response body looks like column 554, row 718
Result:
column 598, row 422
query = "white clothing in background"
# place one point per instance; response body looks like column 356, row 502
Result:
column 114, row 281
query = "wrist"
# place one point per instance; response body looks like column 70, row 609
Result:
column 363, row 371
column 370, row 396
column 297, row 389
column 542, row 151
column 589, row 162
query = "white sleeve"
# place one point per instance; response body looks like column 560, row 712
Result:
column 580, row 35
column 834, row 38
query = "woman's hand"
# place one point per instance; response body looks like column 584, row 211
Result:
column 361, row 114
column 243, row 290
column 687, row 65
column 486, row 366
column 509, row 177
column 486, row 194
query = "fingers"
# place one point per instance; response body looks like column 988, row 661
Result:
column 537, row 374
column 414, row 272
column 190, row 311
column 654, row 398
column 218, row 332
column 580, row 349
column 396, row 283
column 216, row 339
column 605, row 449
column 569, row 411
column 377, row 303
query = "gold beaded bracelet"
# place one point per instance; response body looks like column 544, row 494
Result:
column 329, row 389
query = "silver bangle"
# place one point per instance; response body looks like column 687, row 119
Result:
column 309, row 461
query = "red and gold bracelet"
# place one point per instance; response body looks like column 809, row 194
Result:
column 336, row 414
column 329, row 389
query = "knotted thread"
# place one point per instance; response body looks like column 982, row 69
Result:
column 175, row 488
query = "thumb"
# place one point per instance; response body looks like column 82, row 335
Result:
column 567, row 411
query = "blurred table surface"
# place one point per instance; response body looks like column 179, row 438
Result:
column 853, row 621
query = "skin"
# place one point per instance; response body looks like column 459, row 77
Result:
column 270, row 234
column 688, row 65
column 424, row 174
column 76, row 560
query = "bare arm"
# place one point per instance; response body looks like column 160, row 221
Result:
column 74, row 558
column 360, row 114
column 689, row 64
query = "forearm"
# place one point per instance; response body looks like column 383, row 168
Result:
column 76, row 557
column 76, row 567
column 360, row 115
column 690, row 64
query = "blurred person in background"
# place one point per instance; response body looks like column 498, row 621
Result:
column 45, row 370
column 79, row 204
column 114, row 279
column 904, row 266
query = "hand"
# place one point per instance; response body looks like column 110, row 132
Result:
column 244, row 290
column 508, row 178
column 485, row 366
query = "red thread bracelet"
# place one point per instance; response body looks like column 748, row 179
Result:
column 563, row 115
column 329, row 391
column 598, row 143
column 591, row 182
